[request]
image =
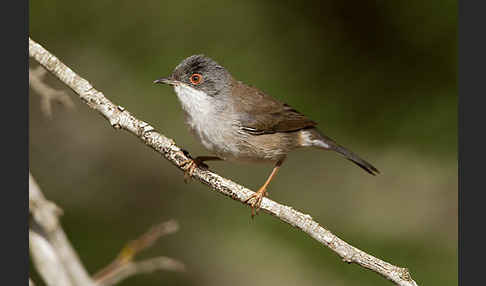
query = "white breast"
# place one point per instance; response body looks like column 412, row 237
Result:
column 204, row 118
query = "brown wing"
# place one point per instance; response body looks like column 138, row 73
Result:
column 262, row 114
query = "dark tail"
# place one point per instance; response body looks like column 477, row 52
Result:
column 322, row 141
column 356, row 159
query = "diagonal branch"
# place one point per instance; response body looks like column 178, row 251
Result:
column 121, row 119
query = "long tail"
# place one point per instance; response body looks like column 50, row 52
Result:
column 356, row 159
column 322, row 141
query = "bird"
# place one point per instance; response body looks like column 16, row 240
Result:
column 240, row 123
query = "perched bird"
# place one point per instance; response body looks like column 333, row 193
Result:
column 238, row 122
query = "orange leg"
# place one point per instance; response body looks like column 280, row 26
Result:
column 257, row 197
column 191, row 164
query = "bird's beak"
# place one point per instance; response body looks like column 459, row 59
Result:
column 166, row 80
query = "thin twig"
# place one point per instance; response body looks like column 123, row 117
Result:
column 123, row 266
column 47, row 93
column 121, row 119
column 141, row 267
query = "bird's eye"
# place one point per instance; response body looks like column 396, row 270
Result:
column 196, row 78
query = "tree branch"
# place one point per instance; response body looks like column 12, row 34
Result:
column 131, row 268
column 58, row 264
column 47, row 261
column 121, row 119
column 55, row 259
column 123, row 266
column 47, row 93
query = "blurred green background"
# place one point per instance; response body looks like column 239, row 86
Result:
column 378, row 76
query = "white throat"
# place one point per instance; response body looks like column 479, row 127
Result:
column 196, row 103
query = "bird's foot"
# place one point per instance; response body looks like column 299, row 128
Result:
column 190, row 165
column 255, row 200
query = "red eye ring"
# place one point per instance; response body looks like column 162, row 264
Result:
column 196, row 78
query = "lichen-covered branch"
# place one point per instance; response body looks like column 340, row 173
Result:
column 121, row 119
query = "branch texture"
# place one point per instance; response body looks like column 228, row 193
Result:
column 121, row 119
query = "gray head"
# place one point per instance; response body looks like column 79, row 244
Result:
column 201, row 73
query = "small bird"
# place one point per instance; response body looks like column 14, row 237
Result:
column 238, row 122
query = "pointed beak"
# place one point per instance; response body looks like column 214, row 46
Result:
column 166, row 80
